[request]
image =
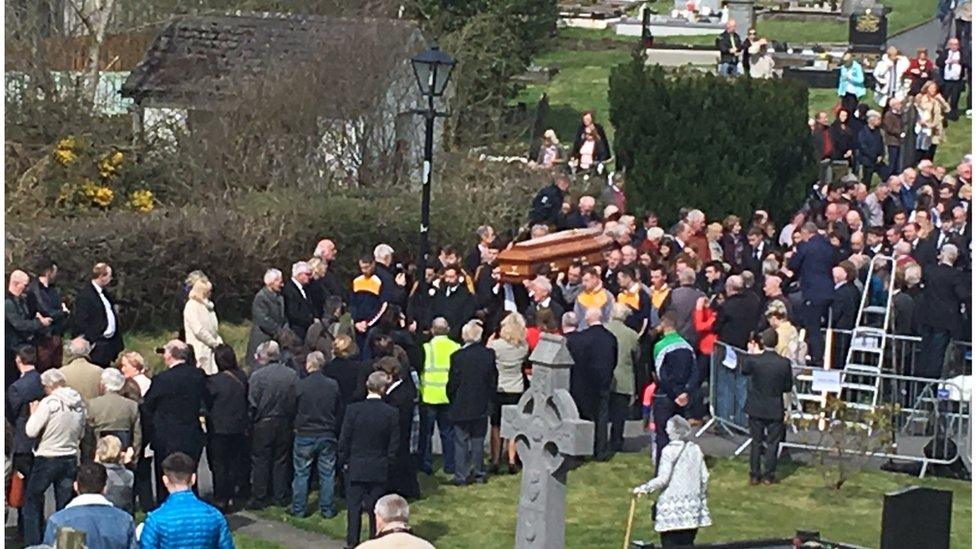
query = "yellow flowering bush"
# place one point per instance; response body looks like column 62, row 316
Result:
column 90, row 179
column 141, row 201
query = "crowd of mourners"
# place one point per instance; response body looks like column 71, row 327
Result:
column 345, row 378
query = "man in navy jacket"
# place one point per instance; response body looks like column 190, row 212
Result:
column 813, row 261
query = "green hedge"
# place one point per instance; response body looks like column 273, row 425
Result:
column 725, row 146
column 236, row 241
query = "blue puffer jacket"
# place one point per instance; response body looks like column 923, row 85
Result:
column 186, row 522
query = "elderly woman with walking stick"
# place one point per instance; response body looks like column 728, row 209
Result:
column 682, row 478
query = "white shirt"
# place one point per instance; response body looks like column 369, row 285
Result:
column 109, row 313
column 953, row 66
column 300, row 288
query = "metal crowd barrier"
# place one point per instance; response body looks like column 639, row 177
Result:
column 928, row 421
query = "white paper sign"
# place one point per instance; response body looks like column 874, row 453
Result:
column 826, row 381
column 730, row 361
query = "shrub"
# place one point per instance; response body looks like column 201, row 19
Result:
column 235, row 241
column 725, row 146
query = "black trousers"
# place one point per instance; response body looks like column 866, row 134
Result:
column 663, row 409
column 143, row 484
column 766, row 435
column 619, row 410
column 161, row 453
column 361, row 496
column 678, row 538
column 811, row 319
column 600, row 447
column 230, row 465
column 271, row 445
column 952, row 90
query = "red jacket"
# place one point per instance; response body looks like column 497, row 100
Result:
column 704, row 318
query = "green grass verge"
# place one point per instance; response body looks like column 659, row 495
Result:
column 598, row 499
column 243, row 541
column 146, row 342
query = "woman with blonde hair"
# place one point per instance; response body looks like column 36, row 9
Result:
column 932, row 109
column 118, row 487
column 511, row 350
column 551, row 152
column 714, row 233
column 200, row 324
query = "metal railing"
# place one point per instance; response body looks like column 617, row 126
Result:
column 934, row 413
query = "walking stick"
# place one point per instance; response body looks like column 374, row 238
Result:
column 630, row 521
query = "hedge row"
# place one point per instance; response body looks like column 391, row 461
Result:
column 725, row 146
column 235, row 242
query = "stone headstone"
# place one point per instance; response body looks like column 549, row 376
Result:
column 868, row 30
column 546, row 427
column 713, row 5
column 848, row 7
column 744, row 14
column 916, row 517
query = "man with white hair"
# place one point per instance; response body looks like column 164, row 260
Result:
column 903, row 306
column 622, row 389
column 394, row 283
column 945, row 289
column 58, row 423
column 696, row 222
column 172, row 406
column 267, row 314
column 471, row 386
column 272, row 399
column 739, row 314
column 21, row 327
column 594, row 367
column 113, row 414
column 79, row 373
column 540, row 289
column 871, row 149
column 298, row 307
column 326, row 251
column 952, row 64
column 392, row 526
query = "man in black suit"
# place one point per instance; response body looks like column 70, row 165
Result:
column 739, row 315
column 770, row 375
column 847, row 298
column 20, row 326
column 26, row 389
column 171, row 408
column 730, row 50
column 367, row 448
column 402, row 395
column 937, row 310
column 453, row 301
column 471, row 386
column 758, row 248
column 598, row 348
column 94, row 318
column 298, row 307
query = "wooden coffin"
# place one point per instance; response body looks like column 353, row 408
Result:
column 557, row 251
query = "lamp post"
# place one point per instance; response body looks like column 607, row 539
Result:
column 432, row 69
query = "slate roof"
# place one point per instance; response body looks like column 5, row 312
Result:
column 216, row 62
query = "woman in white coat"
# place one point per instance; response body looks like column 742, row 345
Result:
column 682, row 478
column 200, row 324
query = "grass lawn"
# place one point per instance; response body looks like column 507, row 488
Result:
column 242, row 541
column 598, row 500
column 146, row 343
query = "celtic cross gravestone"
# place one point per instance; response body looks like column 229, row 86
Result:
column 547, row 430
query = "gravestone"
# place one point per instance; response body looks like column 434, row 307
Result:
column 868, row 31
column 744, row 14
column 916, row 517
column 713, row 5
column 849, row 7
column 546, row 427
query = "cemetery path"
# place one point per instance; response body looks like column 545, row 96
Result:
column 925, row 35
column 278, row 532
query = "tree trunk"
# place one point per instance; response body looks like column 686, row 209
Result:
column 100, row 17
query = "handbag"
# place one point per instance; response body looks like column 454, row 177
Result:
column 15, row 495
column 923, row 141
column 670, row 474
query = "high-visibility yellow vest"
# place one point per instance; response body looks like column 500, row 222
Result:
column 437, row 366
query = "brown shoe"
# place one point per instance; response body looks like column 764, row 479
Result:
column 769, row 481
column 753, row 481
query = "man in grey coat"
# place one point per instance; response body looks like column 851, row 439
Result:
column 681, row 301
column 267, row 314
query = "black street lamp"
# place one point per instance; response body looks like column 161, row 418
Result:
column 432, row 69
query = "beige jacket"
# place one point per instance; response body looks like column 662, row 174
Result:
column 396, row 540
column 931, row 111
column 200, row 324
column 114, row 412
column 83, row 376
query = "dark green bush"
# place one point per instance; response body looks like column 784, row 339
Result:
column 234, row 242
column 724, row 146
